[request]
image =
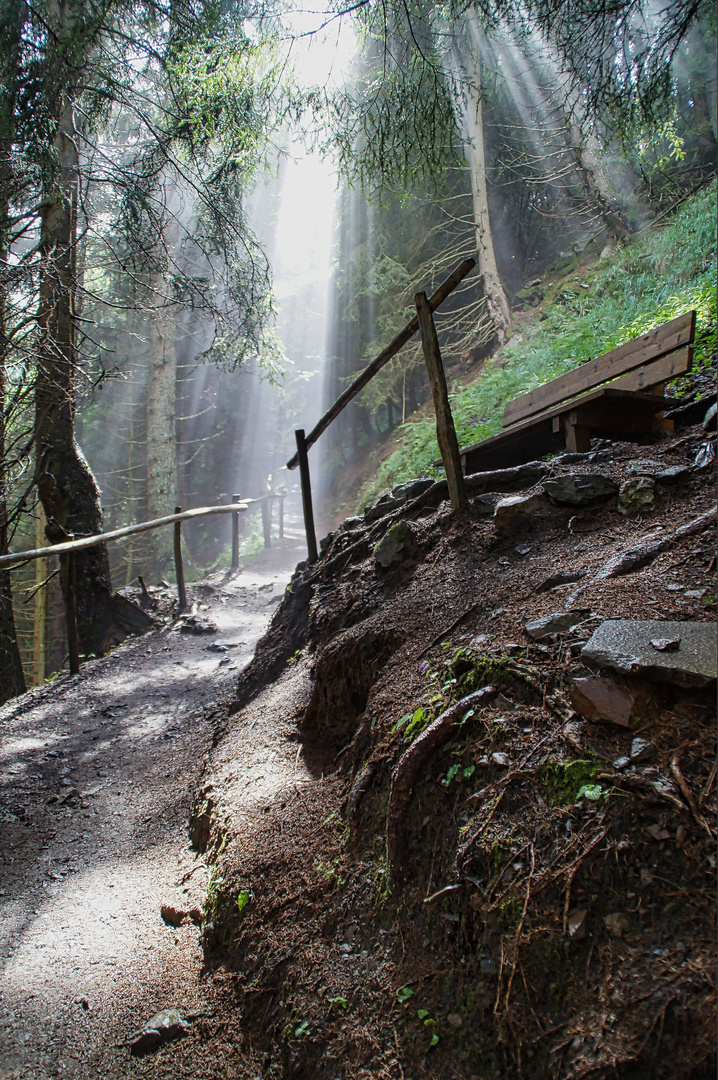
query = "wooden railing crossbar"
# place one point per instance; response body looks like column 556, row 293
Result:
column 130, row 530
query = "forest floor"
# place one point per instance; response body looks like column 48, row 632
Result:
column 549, row 907
column 98, row 773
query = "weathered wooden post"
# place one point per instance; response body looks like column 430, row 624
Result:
column 445, row 430
column 73, row 641
column 235, row 535
column 179, row 568
column 267, row 519
column 306, row 495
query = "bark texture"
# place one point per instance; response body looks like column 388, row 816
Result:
column 67, row 489
column 12, row 679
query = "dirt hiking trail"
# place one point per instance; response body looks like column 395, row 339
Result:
column 98, row 773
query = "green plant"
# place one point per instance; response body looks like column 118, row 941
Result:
column 403, row 994
column 430, row 1022
column 564, row 780
column 243, row 900
column 302, row 1029
column 340, row 1001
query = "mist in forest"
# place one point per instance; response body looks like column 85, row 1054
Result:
column 230, row 275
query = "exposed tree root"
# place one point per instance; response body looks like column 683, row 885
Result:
column 635, row 558
column 410, row 766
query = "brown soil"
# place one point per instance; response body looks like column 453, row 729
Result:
column 326, row 972
column 536, row 933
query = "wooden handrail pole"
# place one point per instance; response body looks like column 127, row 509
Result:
column 445, row 430
column 179, row 568
column 235, row 535
column 73, row 641
column 267, row 520
column 306, row 495
column 437, row 298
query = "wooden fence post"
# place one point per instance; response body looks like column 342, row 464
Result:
column 306, row 495
column 445, row 430
column 179, row 568
column 235, row 535
column 267, row 520
column 73, row 641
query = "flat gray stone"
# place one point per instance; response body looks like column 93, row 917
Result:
column 625, row 645
column 554, row 624
column 517, row 511
column 658, row 471
column 574, row 490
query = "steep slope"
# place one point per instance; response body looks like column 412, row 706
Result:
column 526, row 892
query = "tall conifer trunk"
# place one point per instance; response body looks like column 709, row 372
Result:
column 467, row 60
column 67, row 489
column 12, row 679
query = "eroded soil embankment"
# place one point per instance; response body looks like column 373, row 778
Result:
column 554, row 911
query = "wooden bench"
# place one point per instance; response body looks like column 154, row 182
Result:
column 618, row 395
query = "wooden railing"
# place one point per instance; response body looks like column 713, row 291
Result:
column 421, row 321
column 69, row 547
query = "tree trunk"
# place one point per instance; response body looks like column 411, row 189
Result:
column 161, row 419
column 12, row 680
column 473, row 124
column 66, row 487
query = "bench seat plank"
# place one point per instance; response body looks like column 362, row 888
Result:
column 633, row 354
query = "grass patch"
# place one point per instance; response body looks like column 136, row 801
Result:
column 661, row 274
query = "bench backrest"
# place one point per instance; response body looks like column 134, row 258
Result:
column 633, row 354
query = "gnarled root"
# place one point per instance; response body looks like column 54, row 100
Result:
column 407, row 771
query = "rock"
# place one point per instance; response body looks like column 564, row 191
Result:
column 666, row 644
column 624, row 645
column 564, row 577
column 674, row 474
column 574, row 490
column 515, row 512
column 577, row 924
column 709, row 420
column 350, row 524
column 554, row 624
column 454, row 1021
column 523, row 549
column 602, row 699
column 616, row 923
column 485, row 505
column 392, row 500
column 391, row 548
column 164, row 1027
column 637, row 496
column 192, row 624
column 644, row 467
column 656, row 470
column 411, row 489
column 643, row 750
column 658, row 832
column 621, row 763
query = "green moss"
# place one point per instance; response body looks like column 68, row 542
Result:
column 564, row 779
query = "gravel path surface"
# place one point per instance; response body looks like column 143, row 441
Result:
column 98, row 773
